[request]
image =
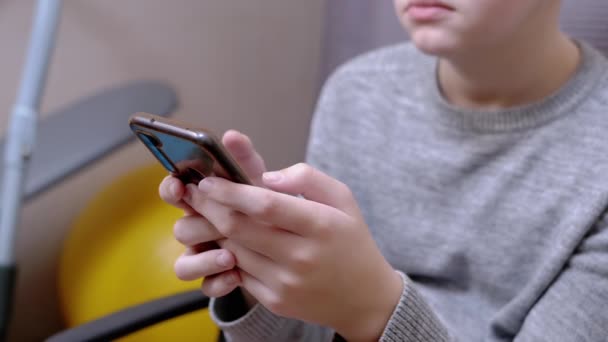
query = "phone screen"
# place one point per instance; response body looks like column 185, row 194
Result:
column 181, row 157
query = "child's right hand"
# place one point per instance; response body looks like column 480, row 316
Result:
column 203, row 258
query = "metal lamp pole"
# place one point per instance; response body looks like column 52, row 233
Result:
column 20, row 144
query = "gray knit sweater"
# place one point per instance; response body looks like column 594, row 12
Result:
column 495, row 219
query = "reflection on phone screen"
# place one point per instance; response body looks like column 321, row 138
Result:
column 180, row 157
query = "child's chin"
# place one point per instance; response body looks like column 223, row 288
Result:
column 434, row 43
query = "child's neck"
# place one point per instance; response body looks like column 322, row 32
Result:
column 509, row 75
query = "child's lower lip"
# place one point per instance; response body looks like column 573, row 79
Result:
column 427, row 13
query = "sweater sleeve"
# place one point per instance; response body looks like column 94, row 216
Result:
column 573, row 307
column 259, row 324
column 413, row 319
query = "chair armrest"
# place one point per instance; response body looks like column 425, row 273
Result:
column 134, row 318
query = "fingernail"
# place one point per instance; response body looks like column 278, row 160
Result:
column 174, row 188
column 224, row 259
column 272, row 177
column 205, row 185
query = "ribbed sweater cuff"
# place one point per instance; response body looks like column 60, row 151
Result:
column 258, row 324
column 413, row 319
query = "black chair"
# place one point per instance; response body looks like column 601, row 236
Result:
column 132, row 319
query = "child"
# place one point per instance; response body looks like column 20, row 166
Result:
column 456, row 191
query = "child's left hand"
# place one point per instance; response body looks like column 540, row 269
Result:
column 309, row 258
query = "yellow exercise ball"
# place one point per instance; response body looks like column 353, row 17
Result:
column 120, row 252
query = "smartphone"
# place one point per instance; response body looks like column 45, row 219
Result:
column 190, row 154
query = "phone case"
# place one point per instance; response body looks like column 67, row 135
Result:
column 190, row 154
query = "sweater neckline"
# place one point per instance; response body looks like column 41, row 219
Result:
column 590, row 71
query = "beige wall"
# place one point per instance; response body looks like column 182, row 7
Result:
column 250, row 65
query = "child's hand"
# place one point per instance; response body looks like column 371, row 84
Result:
column 202, row 257
column 172, row 190
column 309, row 258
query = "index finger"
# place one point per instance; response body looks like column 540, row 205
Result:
column 172, row 191
column 242, row 150
column 294, row 214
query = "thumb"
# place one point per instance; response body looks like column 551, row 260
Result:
column 312, row 184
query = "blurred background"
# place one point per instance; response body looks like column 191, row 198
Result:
column 255, row 66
